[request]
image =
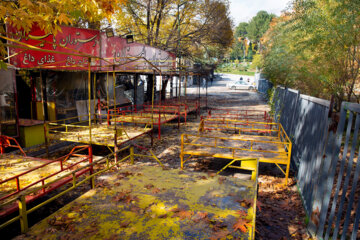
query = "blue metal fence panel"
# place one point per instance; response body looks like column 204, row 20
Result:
column 327, row 174
column 309, row 134
column 264, row 86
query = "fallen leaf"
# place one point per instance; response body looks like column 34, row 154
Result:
column 199, row 216
column 182, row 214
column 220, row 234
column 124, row 224
column 258, row 205
column 51, row 230
column 246, row 203
column 241, row 213
column 315, row 216
column 242, row 225
column 148, row 186
column 91, row 230
column 221, row 180
column 155, row 190
column 218, row 225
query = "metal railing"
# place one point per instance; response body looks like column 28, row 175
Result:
column 91, row 132
column 57, row 163
column 239, row 114
column 335, row 204
column 104, row 165
column 9, row 142
column 234, row 148
column 240, row 126
column 149, row 115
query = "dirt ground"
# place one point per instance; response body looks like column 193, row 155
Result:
column 279, row 215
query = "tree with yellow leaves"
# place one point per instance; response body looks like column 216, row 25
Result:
column 197, row 29
column 49, row 15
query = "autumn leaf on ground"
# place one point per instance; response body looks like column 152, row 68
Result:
column 59, row 221
column 50, row 230
column 246, row 203
column 176, row 210
column 221, row 180
column 315, row 216
column 218, row 225
column 101, row 184
column 220, row 234
column 120, row 197
column 242, row 225
column 285, row 204
column 200, row 216
column 258, row 205
column 91, row 230
column 124, row 224
column 241, row 213
column 182, row 214
column 130, row 199
column 155, row 190
column 148, row 186
column 125, row 196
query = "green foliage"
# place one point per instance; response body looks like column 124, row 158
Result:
column 258, row 25
column 257, row 62
column 247, row 36
column 315, row 48
column 241, row 30
column 235, row 68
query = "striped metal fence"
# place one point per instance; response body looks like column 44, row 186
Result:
column 326, row 161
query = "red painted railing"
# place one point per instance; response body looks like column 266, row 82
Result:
column 6, row 142
column 75, row 152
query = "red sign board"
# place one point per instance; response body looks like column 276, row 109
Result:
column 71, row 41
column 78, row 44
column 135, row 56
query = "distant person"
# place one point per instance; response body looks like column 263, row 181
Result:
column 248, row 80
column 241, row 78
column 204, row 83
column 211, row 80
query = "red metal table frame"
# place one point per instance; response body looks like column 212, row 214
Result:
column 77, row 151
column 140, row 115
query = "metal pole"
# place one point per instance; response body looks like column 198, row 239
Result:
column 89, row 93
column 114, row 82
column 186, row 80
column 94, row 97
column 176, row 87
column 43, row 112
column 152, row 101
column 114, row 85
column 179, row 82
column 179, row 33
column 135, row 90
column 16, row 106
column 160, row 89
column 206, row 93
column 107, row 92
